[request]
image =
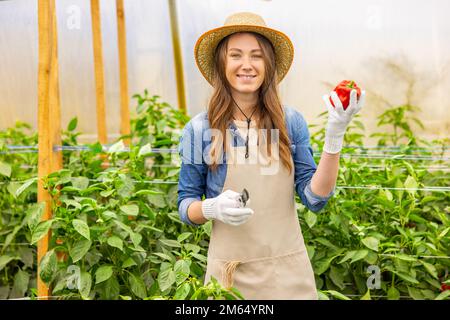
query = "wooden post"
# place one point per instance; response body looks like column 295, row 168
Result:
column 177, row 55
column 48, row 117
column 98, row 67
column 123, row 72
column 55, row 105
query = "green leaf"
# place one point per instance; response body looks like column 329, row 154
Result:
column 82, row 228
column 337, row 277
column 5, row 169
column 136, row 238
column 338, row 295
column 103, row 273
column 371, row 258
column 157, row 200
column 80, row 182
column 10, row 237
column 137, row 286
column 183, row 236
column 405, row 257
column 162, row 255
column 326, row 243
column 41, row 230
column 366, row 296
column 5, row 259
column 443, row 295
column 182, row 270
column 146, row 149
column 116, row 242
column 96, row 147
column 117, row 147
column 428, row 199
column 130, row 209
column 428, row 294
column 416, row 218
column 12, row 187
column 406, row 277
column 34, row 214
column 371, row 243
column 360, row 254
column 191, row 247
column 430, row 268
column 388, row 194
column 415, row 293
column 322, row 265
column 310, row 219
column 393, row 294
column 149, row 192
column 182, row 292
column 399, row 193
column 123, row 226
column 21, row 280
column 25, row 186
column 129, row 263
column 27, row 256
column 73, row 203
column 443, row 233
column 125, row 186
column 84, row 285
column 170, row 243
column 347, row 256
column 107, row 193
column 411, row 183
column 107, row 215
column 199, row 257
column 322, row 296
column 48, row 267
column 72, row 124
column 79, row 249
column 166, row 278
column 109, row 289
column 70, row 189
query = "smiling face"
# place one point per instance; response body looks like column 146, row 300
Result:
column 244, row 64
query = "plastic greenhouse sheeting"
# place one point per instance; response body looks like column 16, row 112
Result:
column 333, row 40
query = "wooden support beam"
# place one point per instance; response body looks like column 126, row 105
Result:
column 177, row 55
column 55, row 105
column 98, row 70
column 123, row 72
column 48, row 117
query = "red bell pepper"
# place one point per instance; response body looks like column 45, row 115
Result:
column 343, row 90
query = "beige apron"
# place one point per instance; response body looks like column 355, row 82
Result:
column 264, row 258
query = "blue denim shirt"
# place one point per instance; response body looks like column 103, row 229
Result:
column 196, row 179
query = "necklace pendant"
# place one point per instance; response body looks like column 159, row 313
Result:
column 246, row 148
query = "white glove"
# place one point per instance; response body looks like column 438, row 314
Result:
column 338, row 119
column 226, row 208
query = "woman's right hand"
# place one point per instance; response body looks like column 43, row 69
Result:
column 226, row 208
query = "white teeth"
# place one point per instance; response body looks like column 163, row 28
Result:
column 246, row 77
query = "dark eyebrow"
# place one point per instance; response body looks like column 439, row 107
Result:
column 236, row 49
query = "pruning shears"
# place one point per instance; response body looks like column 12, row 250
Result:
column 244, row 197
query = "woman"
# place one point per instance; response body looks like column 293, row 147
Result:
column 256, row 247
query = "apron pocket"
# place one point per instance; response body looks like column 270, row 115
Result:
column 288, row 276
column 295, row 277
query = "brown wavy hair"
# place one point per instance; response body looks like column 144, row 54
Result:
column 270, row 111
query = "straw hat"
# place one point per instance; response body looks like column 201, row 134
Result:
column 241, row 22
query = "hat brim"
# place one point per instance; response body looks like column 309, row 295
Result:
column 206, row 45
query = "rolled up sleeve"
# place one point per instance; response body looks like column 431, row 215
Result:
column 192, row 177
column 305, row 167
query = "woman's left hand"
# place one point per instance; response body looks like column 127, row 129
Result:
column 338, row 119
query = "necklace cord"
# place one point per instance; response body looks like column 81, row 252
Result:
column 249, row 119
